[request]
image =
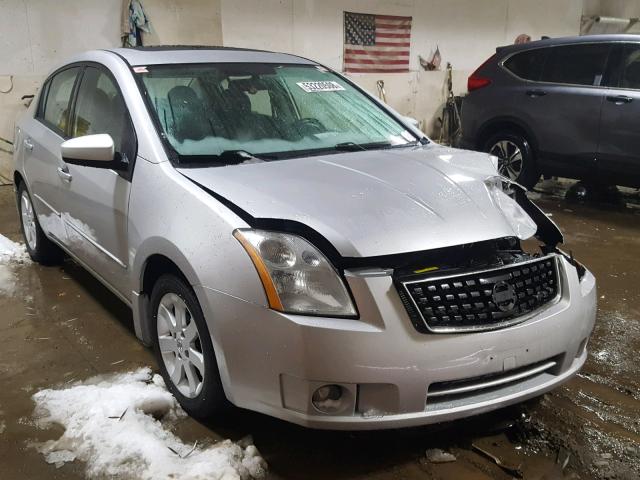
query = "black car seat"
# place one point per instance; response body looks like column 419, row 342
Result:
column 189, row 119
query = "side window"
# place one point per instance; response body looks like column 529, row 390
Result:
column 100, row 108
column 630, row 67
column 527, row 64
column 576, row 64
column 58, row 96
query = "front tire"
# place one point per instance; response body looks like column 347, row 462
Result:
column 516, row 159
column 40, row 248
column 183, row 348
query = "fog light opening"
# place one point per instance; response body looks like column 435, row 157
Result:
column 329, row 399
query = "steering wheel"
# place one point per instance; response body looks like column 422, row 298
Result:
column 309, row 126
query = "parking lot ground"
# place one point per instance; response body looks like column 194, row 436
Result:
column 59, row 325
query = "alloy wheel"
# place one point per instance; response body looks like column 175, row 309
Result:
column 180, row 345
column 28, row 218
column 510, row 159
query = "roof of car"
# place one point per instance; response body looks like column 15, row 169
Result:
column 164, row 54
column 549, row 42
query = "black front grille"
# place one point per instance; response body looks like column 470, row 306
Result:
column 481, row 300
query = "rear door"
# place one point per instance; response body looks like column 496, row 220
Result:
column 563, row 106
column 619, row 149
column 96, row 200
column 42, row 136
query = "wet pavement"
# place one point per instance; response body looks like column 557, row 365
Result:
column 59, row 325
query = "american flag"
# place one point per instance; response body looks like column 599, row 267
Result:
column 376, row 43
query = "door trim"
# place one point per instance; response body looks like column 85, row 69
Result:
column 127, row 301
column 95, row 244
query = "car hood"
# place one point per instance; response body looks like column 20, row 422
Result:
column 376, row 202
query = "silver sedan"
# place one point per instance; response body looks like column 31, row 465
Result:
column 290, row 245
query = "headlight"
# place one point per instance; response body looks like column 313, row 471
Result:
column 520, row 222
column 296, row 277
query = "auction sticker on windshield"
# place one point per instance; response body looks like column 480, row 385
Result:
column 326, row 86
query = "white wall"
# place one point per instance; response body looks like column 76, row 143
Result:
column 467, row 32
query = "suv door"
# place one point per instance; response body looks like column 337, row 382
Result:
column 41, row 137
column 563, row 105
column 96, row 201
column 619, row 148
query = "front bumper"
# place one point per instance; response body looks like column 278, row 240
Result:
column 272, row 362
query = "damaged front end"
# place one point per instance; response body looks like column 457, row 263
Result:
column 491, row 284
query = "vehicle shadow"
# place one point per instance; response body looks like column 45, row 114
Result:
column 290, row 449
column 107, row 300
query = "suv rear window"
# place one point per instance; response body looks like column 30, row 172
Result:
column 576, row 64
column 528, row 64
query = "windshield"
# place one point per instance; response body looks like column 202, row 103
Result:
column 266, row 110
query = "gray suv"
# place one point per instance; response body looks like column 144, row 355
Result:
column 566, row 107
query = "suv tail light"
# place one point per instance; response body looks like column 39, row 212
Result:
column 477, row 81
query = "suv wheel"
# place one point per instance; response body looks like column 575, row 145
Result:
column 515, row 156
column 183, row 348
column 40, row 248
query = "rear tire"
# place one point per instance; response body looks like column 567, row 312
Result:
column 516, row 158
column 40, row 248
column 183, row 348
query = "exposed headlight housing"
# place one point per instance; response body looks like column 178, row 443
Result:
column 296, row 276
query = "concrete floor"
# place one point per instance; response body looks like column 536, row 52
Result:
column 58, row 325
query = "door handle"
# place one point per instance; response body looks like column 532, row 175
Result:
column 536, row 93
column 28, row 144
column 63, row 173
column 619, row 99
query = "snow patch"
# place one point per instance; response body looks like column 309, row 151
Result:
column 119, row 425
column 11, row 251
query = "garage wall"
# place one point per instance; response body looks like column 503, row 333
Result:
column 35, row 35
column 467, row 32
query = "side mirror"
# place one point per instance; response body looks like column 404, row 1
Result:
column 90, row 151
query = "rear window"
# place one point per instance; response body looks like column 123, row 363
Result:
column 528, row 64
column 576, row 64
column 56, row 107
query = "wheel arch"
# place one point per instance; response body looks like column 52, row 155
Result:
column 18, row 179
column 506, row 123
column 157, row 256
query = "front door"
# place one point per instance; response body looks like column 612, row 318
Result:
column 96, row 201
column 619, row 149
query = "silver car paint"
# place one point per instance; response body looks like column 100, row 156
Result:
column 366, row 203
column 370, row 203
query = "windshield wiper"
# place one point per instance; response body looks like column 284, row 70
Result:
column 354, row 147
column 349, row 146
column 235, row 157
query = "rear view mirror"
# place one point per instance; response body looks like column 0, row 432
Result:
column 90, row 150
